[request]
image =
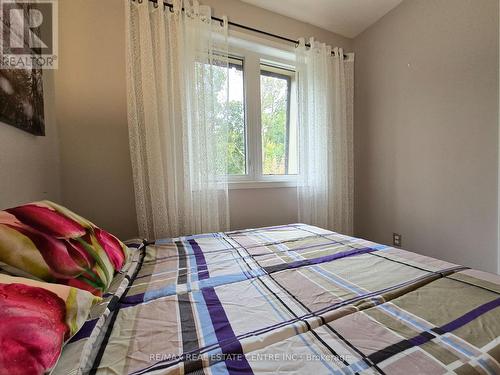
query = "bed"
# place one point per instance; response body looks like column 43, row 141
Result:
column 288, row 299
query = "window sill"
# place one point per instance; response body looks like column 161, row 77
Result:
column 234, row 185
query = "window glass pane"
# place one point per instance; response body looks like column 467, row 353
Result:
column 236, row 131
column 278, row 132
column 230, row 82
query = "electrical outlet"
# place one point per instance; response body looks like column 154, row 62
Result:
column 396, row 239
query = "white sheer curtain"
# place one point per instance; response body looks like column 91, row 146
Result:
column 177, row 83
column 325, row 121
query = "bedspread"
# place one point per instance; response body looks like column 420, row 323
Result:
column 298, row 299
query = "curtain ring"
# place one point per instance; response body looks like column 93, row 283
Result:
column 312, row 43
column 139, row 1
column 196, row 8
column 176, row 6
column 156, row 3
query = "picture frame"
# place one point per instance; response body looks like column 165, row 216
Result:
column 21, row 100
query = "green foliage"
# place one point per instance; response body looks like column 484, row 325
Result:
column 236, row 139
column 274, row 97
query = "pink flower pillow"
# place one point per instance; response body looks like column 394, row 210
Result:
column 37, row 318
column 47, row 241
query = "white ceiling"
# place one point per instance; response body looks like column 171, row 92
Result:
column 345, row 17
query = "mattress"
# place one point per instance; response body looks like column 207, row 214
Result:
column 289, row 299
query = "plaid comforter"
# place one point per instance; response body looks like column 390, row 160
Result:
column 292, row 298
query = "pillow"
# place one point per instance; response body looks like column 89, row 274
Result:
column 80, row 352
column 48, row 242
column 37, row 318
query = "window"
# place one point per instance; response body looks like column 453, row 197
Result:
column 236, row 152
column 262, row 145
column 278, row 137
column 228, row 86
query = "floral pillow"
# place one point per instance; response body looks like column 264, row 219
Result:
column 37, row 318
column 47, row 241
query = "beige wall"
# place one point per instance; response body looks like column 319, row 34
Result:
column 91, row 114
column 29, row 165
column 426, row 129
column 251, row 208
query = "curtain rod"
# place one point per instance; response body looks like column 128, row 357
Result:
column 239, row 25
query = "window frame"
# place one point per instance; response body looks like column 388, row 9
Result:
column 289, row 76
column 252, row 61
